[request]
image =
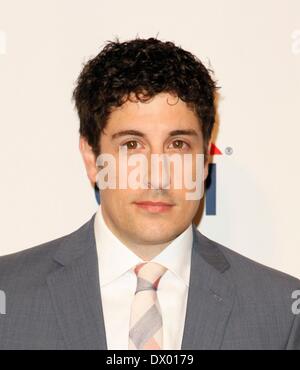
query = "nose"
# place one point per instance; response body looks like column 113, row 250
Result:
column 158, row 175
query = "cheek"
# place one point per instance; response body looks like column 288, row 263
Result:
column 118, row 198
column 186, row 207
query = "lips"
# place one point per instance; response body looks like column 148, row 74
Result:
column 154, row 207
column 149, row 203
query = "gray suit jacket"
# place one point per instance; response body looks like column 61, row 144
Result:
column 53, row 298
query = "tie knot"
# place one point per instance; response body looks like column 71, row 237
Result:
column 148, row 275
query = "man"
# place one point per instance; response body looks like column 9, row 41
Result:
column 138, row 274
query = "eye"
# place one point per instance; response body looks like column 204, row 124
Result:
column 131, row 145
column 180, row 144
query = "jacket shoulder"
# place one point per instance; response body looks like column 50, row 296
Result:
column 249, row 274
column 265, row 299
column 34, row 261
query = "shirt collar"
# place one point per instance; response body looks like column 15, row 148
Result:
column 115, row 258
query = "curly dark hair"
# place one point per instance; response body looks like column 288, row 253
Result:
column 143, row 68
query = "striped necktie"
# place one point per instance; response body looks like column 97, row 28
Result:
column 145, row 329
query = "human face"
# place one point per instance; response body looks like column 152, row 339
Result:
column 154, row 123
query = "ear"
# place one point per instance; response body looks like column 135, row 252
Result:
column 89, row 159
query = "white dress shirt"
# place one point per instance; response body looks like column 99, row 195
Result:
column 118, row 283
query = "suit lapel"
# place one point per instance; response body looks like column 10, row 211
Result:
column 210, row 296
column 75, row 291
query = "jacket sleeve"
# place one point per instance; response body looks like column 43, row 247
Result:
column 294, row 337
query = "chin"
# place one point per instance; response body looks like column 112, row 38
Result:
column 156, row 235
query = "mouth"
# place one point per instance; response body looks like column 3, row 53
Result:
column 154, row 207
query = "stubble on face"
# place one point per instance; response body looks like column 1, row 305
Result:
column 145, row 232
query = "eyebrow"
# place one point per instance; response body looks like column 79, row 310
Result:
column 189, row 132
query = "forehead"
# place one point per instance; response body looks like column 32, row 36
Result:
column 163, row 112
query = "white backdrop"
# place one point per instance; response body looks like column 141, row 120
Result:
column 254, row 48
